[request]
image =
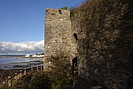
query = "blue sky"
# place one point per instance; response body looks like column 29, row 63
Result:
column 22, row 21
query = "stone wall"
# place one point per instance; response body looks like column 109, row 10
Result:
column 105, row 40
column 105, row 47
column 58, row 34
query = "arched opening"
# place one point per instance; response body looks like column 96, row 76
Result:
column 74, row 67
column 75, row 36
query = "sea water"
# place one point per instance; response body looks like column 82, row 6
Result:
column 12, row 62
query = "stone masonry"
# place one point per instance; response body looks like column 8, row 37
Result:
column 104, row 42
column 105, row 45
column 58, row 35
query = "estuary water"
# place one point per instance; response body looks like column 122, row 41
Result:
column 11, row 62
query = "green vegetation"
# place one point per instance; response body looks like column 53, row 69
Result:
column 59, row 76
column 107, row 25
column 40, row 81
column 64, row 8
column 61, row 70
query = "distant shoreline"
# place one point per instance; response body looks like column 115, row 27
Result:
column 21, row 57
column 28, row 57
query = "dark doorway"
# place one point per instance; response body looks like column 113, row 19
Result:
column 74, row 67
column 75, row 36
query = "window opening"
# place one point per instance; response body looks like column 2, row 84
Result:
column 60, row 12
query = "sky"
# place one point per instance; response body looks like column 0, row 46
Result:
column 22, row 23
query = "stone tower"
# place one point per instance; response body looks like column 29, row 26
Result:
column 58, row 34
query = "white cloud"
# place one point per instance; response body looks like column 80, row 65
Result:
column 22, row 47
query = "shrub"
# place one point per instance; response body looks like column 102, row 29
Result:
column 40, row 81
column 64, row 8
column 60, row 70
column 60, row 67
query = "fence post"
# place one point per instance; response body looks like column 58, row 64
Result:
column 24, row 71
column 37, row 68
column 20, row 74
column 9, row 81
column 41, row 67
column 31, row 68
column 15, row 76
column 4, row 83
